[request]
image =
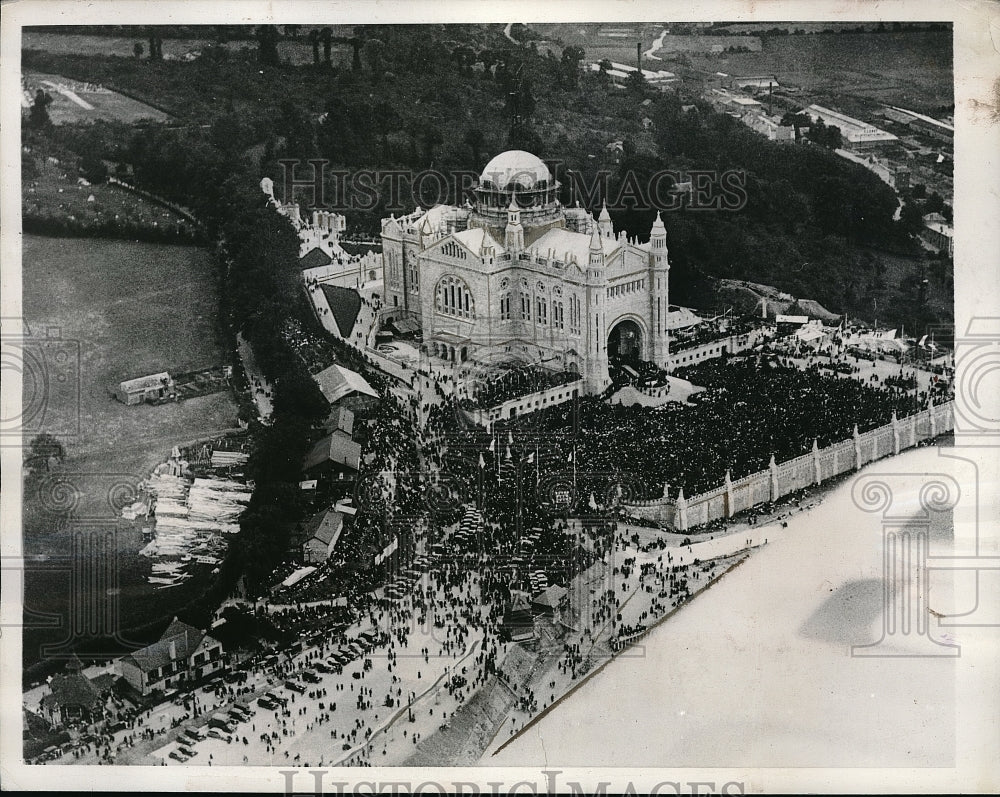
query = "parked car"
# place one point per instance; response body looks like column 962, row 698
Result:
column 187, row 751
column 311, row 677
column 295, row 686
column 266, row 702
column 177, row 755
column 215, row 733
column 322, row 666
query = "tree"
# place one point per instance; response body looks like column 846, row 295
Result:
column 93, row 168
column 474, row 140
column 38, row 116
column 374, row 55
column 137, row 50
column 45, row 449
column 636, row 83
column 155, row 45
column 314, row 41
column 292, row 31
column 431, row 138
column 572, row 56
column 326, row 36
column 267, row 40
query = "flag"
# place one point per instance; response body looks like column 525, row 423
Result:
column 482, row 462
column 592, row 503
column 570, row 457
column 510, row 438
column 921, row 342
column 493, row 444
column 508, row 457
column 531, row 457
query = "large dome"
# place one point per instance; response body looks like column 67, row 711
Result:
column 515, row 169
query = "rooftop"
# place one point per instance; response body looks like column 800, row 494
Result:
column 336, row 382
column 515, row 168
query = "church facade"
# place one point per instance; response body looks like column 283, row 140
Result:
column 517, row 278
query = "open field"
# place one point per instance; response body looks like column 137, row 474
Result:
column 297, row 51
column 133, row 309
column 73, row 101
column 853, row 71
column 55, row 195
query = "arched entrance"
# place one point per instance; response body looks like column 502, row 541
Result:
column 625, row 342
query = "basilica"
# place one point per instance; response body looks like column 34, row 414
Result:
column 518, row 278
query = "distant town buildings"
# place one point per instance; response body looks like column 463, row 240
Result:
column 938, row 233
column 894, row 175
column 619, row 74
column 936, row 128
column 855, row 134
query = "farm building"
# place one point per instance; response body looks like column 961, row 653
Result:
column 146, row 388
column 182, row 653
column 322, row 533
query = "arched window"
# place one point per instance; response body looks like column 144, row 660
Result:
column 505, row 306
column 453, row 297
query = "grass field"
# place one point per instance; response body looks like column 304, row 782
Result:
column 55, row 192
column 105, row 104
column 297, row 51
column 134, row 309
column 852, row 71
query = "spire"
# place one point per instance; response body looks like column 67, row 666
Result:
column 595, row 240
column 512, row 207
column 604, row 221
column 658, row 223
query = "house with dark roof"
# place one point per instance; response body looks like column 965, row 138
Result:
column 74, row 698
column 182, row 653
column 322, row 532
column 550, row 600
column 340, row 418
column 336, row 453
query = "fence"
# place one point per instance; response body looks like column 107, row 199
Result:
column 821, row 464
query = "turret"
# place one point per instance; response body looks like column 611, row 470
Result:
column 659, row 293
column 604, row 221
column 658, row 244
column 514, row 232
column 596, row 260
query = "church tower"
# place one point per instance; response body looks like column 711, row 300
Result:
column 514, row 232
column 604, row 221
column 659, row 278
column 596, row 333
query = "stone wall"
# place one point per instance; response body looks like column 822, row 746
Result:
column 821, row 464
